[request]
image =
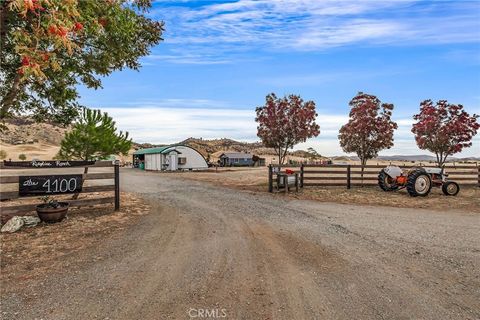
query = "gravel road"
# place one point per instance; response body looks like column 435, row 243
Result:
column 222, row 253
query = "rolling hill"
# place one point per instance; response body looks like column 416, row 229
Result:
column 42, row 141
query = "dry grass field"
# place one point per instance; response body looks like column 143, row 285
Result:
column 255, row 180
column 41, row 151
column 28, row 253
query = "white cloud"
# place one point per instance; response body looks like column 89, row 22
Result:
column 160, row 125
column 188, row 58
column 312, row 25
column 169, row 125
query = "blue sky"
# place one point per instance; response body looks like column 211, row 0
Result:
column 220, row 58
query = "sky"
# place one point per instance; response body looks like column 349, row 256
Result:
column 220, row 59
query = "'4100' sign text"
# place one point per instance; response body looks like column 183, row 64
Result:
column 44, row 185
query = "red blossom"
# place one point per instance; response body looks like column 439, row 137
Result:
column 444, row 129
column 25, row 61
column 284, row 122
column 62, row 32
column 33, row 5
column 103, row 21
column 52, row 29
column 370, row 128
column 78, row 26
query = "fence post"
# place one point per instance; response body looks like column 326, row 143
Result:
column 117, row 185
column 296, row 181
column 301, row 175
column 478, row 168
column 349, row 185
column 270, row 178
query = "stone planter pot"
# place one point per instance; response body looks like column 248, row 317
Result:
column 48, row 214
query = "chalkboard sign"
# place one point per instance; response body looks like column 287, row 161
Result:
column 46, row 185
column 47, row 164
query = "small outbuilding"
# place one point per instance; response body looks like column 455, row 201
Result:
column 170, row 158
column 230, row 159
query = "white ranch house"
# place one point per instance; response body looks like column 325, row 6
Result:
column 170, row 158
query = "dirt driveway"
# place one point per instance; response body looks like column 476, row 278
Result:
column 238, row 255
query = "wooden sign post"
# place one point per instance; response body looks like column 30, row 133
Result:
column 44, row 185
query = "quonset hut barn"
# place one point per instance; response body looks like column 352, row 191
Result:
column 170, row 158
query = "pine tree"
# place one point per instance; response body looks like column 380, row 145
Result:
column 94, row 137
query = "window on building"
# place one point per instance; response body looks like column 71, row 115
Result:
column 182, row 160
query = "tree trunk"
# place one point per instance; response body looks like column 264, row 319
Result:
column 284, row 154
column 362, row 169
column 438, row 158
column 3, row 23
column 10, row 97
column 441, row 159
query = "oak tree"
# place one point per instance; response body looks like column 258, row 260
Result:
column 313, row 154
column 370, row 128
column 49, row 47
column 444, row 128
column 285, row 122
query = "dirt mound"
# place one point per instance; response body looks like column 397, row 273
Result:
column 21, row 131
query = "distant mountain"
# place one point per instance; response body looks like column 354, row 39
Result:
column 214, row 147
column 23, row 131
column 423, row 157
column 42, row 140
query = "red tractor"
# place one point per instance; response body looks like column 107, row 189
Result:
column 418, row 181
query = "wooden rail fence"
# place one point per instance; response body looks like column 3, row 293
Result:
column 22, row 209
column 331, row 175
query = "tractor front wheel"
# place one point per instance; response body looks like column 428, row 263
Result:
column 450, row 188
column 419, row 183
column 386, row 183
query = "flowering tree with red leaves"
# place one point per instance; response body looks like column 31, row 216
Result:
column 444, row 129
column 284, row 122
column 370, row 128
column 49, row 47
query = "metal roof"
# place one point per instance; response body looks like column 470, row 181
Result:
column 162, row 150
column 236, row 155
column 152, row 150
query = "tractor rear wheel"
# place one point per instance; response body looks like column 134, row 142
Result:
column 419, row 183
column 386, row 183
column 450, row 188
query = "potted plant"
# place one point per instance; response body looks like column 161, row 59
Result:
column 51, row 210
